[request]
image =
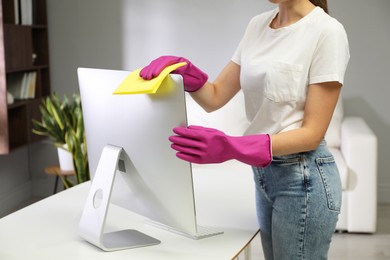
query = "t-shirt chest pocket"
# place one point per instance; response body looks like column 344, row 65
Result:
column 282, row 82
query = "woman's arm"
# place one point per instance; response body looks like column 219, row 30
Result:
column 213, row 96
column 320, row 104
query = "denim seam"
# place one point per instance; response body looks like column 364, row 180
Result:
column 305, row 173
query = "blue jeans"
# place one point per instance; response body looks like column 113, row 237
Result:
column 298, row 201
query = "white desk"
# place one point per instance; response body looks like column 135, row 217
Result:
column 48, row 229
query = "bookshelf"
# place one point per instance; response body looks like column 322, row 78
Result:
column 24, row 53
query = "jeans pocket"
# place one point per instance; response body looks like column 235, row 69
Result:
column 331, row 181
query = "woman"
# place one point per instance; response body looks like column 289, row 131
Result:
column 290, row 65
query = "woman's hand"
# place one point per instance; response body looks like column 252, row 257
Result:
column 193, row 77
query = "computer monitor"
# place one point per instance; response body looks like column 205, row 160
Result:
column 127, row 135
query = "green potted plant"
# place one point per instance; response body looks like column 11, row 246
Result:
column 62, row 121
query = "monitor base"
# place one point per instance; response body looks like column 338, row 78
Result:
column 126, row 239
column 93, row 218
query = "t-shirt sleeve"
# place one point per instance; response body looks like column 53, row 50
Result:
column 331, row 56
column 236, row 58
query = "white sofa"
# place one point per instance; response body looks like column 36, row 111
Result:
column 352, row 143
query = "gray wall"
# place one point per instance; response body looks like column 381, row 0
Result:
column 367, row 88
column 127, row 34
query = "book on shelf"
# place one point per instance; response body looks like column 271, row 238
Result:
column 26, row 11
column 31, row 85
column 16, row 11
column 22, row 85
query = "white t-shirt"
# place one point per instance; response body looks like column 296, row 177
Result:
column 278, row 65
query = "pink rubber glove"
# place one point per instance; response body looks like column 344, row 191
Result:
column 202, row 145
column 193, row 77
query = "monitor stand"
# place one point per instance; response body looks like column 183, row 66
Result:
column 93, row 219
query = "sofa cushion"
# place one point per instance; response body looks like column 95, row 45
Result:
column 341, row 165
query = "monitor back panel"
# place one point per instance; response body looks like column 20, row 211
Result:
column 152, row 181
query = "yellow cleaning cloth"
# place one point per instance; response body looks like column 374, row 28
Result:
column 134, row 84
